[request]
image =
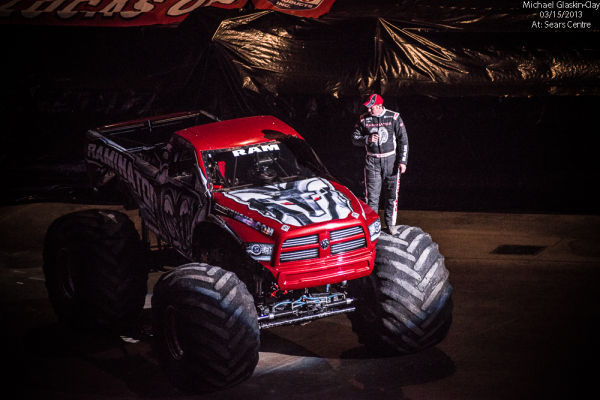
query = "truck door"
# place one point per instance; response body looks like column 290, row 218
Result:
column 182, row 195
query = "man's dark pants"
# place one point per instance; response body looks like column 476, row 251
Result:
column 382, row 178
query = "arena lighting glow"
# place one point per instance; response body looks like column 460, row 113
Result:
column 271, row 361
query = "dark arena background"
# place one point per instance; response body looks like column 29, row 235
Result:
column 500, row 99
column 500, row 116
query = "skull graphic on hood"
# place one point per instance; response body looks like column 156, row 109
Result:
column 296, row 203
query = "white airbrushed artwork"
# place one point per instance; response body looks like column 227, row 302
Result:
column 296, row 203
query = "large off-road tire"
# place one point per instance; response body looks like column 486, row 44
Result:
column 405, row 305
column 94, row 268
column 206, row 327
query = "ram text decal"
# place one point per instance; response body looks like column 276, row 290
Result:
column 255, row 149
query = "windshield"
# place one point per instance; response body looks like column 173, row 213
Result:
column 260, row 164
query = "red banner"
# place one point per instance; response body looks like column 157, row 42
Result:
column 137, row 12
column 104, row 12
column 301, row 8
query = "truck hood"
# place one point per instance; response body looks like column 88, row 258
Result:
column 297, row 203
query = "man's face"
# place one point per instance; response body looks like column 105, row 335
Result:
column 376, row 110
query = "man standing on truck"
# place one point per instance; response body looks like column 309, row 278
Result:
column 383, row 134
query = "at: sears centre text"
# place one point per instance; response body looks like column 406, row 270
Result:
column 567, row 25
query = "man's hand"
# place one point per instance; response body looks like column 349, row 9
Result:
column 402, row 168
column 374, row 138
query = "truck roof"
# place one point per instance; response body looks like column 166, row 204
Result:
column 236, row 132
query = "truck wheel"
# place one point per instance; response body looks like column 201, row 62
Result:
column 94, row 269
column 405, row 305
column 206, row 327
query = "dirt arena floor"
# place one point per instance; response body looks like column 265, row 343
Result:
column 525, row 303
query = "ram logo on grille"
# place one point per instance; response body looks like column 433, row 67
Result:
column 324, row 244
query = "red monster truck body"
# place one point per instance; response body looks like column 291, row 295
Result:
column 305, row 229
column 299, row 224
column 253, row 233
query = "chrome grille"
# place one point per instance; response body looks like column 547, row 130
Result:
column 346, row 232
column 299, row 255
column 348, row 246
column 307, row 247
column 301, row 241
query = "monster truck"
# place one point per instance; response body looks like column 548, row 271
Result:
column 251, row 232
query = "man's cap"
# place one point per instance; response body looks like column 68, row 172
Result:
column 374, row 100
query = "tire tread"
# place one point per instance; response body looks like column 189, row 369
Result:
column 405, row 304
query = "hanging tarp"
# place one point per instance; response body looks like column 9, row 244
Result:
column 409, row 50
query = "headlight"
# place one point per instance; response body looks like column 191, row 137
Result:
column 375, row 230
column 259, row 251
